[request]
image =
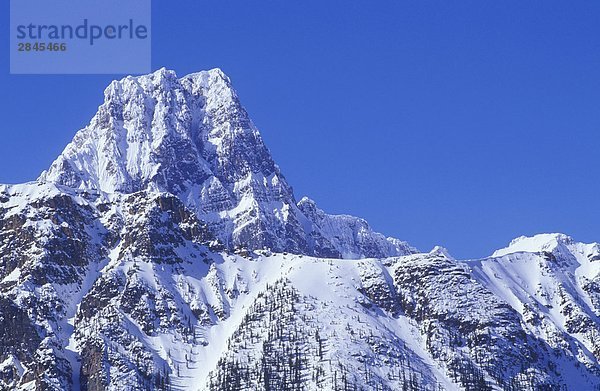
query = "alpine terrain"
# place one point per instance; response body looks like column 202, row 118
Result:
column 165, row 250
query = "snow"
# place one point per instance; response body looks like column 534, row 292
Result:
column 13, row 276
column 12, row 361
column 537, row 243
column 534, row 276
column 547, row 290
column 332, row 282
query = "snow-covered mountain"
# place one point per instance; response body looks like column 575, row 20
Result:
column 164, row 249
column 191, row 137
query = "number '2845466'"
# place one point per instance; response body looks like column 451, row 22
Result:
column 41, row 47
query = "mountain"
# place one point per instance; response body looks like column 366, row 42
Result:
column 164, row 249
column 191, row 137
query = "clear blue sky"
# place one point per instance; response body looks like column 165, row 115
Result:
column 463, row 124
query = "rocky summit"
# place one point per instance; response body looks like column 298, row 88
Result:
column 165, row 250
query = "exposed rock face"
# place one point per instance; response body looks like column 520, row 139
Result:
column 50, row 240
column 150, row 256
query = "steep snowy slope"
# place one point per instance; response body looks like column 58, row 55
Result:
column 554, row 284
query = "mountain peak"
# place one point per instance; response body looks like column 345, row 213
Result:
column 192, row 138
column 442, row 252
column 215, row 73
column 537, row 243
column 146, row 126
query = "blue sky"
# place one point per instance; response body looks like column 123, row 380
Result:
column 463, row 124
